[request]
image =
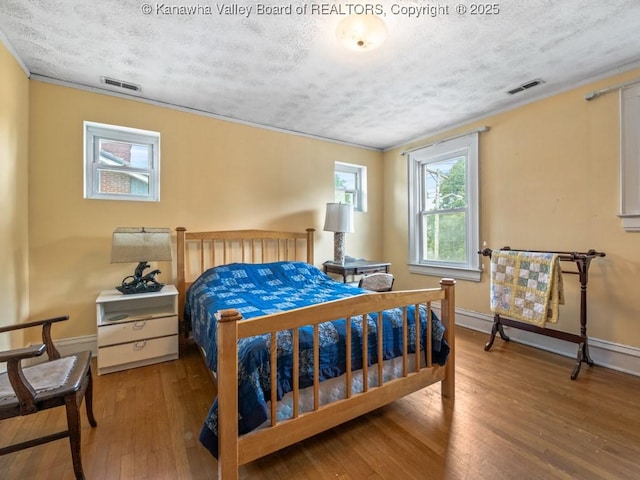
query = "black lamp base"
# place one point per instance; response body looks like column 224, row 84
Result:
column 139, row 283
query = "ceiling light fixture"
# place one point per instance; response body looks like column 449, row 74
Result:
column 361, row 32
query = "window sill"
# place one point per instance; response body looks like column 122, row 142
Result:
column 451, row 272
column 630, row 222
column 123, row 197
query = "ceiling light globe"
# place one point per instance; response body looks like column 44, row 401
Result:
column 361, row 32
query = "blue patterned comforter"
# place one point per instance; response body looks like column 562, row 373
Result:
column 260, row 289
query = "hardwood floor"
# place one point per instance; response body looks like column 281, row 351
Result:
column 517, row 415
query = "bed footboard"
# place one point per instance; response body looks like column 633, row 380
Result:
column 235, row 450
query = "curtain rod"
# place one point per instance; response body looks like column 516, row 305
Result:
column 596, row 93
column 477, row 130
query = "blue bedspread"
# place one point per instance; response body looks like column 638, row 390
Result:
column 260, row 289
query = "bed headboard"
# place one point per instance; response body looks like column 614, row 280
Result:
column 198, row 251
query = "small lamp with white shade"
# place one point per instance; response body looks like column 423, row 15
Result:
column 339, row 219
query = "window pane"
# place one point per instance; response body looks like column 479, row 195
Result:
column 125, row 183
column 344, row 197
column 445, row 238
column 346, row 180
column 125, row 154
column 350, row 185
column 445, row 184
column 121, row 163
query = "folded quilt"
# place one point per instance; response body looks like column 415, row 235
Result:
column 526, row 286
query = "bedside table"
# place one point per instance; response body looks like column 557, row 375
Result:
column 355, row 267
column 137, row 329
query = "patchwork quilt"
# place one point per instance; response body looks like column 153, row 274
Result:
column 526, row 286
column 260, row 289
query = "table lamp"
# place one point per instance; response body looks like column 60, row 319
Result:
column 142, row 245
column 339, row 219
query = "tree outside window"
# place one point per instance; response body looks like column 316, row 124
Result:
column 351, row 185
column 444, row 217
column 443, row 209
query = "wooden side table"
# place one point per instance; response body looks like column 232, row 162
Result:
column 355, row 267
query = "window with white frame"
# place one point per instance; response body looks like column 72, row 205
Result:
column 630, row 158
column 443, row 209
column 121, row 163
column 351, row 185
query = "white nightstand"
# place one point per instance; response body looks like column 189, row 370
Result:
column 137, row 329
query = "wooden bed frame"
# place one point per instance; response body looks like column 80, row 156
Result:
column 254, row 246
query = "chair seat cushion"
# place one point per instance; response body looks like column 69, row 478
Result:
column 377, row 282
column 49, row 379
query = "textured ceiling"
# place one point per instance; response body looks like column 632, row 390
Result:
column 288, row 71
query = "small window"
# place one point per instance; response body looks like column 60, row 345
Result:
column 121, row 163
column 443, row 225
column 351, row 185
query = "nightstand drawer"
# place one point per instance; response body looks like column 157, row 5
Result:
column 355, row 267
column 370, row 270
column 138, row 352
column 137, row 330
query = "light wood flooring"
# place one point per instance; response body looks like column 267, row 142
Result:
column 517, row 415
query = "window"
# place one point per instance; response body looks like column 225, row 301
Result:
column 121, row 163
column 630, row 158
column 443, row 208
column 351, row 185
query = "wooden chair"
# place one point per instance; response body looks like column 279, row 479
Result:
column 377, row 282
column 56, row 382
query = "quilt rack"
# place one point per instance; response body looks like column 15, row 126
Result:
column 582, row 261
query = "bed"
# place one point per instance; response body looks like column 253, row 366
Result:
column 253, row 299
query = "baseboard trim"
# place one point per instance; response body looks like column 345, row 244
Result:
column 622, row 358
column 67, row 346
column 615, row 356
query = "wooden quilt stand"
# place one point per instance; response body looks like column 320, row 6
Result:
column 582, row 261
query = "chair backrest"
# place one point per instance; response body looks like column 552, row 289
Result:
column 377, row 282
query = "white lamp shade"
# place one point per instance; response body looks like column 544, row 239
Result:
column 140, row 244
column 361, row 32
column 339, row 217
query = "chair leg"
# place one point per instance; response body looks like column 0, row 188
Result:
column 88, row 398
column 72, row 405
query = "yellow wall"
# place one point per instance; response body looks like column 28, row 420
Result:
column 215, row 175
column 563, row 151
column 549, row 180
column 14, row 232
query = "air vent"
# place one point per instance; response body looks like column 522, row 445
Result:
column 120, row 84
column 526, row 86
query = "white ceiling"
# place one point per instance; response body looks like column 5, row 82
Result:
column 288, row 71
